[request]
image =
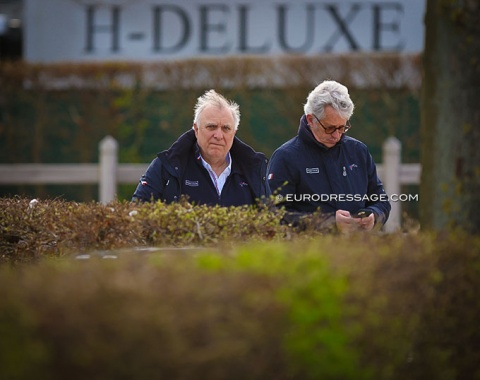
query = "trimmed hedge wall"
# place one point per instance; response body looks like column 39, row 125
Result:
column 386, row 309
column 251, row 299
column 59, row 113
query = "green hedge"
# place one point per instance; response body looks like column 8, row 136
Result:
column 247, row 297
column 361, row 307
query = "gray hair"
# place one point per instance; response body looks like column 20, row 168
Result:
column 213, row 98
column 329, row 93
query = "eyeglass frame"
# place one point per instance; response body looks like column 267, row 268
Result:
column 345, row 127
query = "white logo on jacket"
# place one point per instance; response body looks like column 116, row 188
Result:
column 191, row 183
column 312, row 170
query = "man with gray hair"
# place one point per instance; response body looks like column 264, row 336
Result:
column 323, row 169
column 208, row 164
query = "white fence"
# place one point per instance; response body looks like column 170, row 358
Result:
column 109, row 173
column 394, row 174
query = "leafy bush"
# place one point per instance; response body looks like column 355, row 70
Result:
column 83, row 320
column 30, row 230
column 267, row 301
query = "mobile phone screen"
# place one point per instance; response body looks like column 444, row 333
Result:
column 361, row 214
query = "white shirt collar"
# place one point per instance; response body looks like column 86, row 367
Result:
column 226, row 172
column 219, row 181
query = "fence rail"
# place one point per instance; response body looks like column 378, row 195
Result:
column 108, row 173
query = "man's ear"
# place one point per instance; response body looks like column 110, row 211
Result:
column 195, row 128
column 309, row 118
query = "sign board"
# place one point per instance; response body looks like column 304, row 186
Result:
column 148, row 30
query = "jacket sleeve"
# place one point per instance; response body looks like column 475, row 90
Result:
column 379, row 202
column 281, row 179
column 264, row 189
column 151, row 184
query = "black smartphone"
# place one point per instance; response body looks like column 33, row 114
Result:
column 362, row 213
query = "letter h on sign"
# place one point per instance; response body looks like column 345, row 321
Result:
column 114, row 29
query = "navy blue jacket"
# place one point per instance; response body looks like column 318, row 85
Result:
column 179, row 171
column 343, row 177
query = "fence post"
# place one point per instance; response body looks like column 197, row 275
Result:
column 108, row 169
column 392, row 151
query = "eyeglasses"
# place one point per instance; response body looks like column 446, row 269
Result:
column 331, row 130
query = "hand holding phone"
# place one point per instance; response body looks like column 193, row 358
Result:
column 362, row 213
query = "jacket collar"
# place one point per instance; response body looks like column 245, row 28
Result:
column 243, row 156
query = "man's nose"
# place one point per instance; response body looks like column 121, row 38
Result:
column 218, row 133
column 336, row 134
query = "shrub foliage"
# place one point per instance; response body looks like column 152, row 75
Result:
column 256, row 299
column 32, row 229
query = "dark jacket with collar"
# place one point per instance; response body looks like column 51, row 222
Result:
column 179, row 170
column 343, row 177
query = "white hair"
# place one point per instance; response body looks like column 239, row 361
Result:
column 213, row 98
column 329, row 93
